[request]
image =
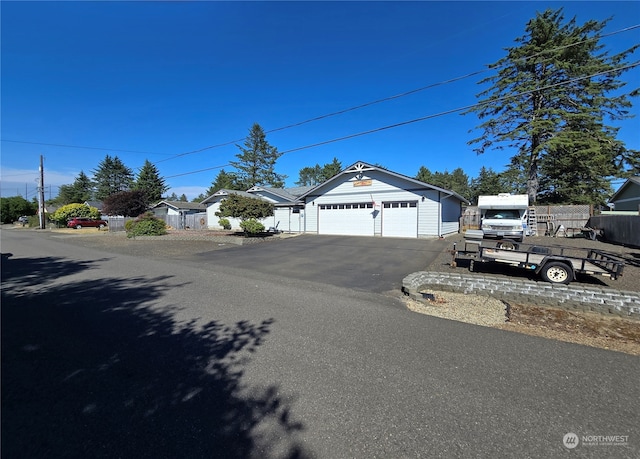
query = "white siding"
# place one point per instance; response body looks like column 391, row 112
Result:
column 428, row 214
column 450, row 215
column 212, row 218
column 435, row 213
column 287, row 220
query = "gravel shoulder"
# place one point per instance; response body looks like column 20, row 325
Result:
column 584, row 328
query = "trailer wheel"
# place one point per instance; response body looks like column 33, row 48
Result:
column 556, row 273
column 471, row 265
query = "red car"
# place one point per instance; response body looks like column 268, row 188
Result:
column 86, row 222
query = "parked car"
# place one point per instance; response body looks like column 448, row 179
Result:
column 86, row 222
column 24, row 219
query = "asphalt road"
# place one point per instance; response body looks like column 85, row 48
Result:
column 109, row 355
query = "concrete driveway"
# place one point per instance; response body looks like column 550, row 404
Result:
column 361, row 263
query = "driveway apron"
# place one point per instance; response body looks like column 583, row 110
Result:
column 363, row 263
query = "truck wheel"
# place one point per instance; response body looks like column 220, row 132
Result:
column 556, row 273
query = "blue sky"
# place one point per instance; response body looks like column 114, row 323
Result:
column 153, row 80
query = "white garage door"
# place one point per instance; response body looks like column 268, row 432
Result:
column 346, row 219
column 400, row 219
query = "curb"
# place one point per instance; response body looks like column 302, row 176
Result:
column 605, row 301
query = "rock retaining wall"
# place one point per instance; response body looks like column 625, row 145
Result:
column 575, row 296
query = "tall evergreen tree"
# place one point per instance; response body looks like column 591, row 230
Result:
column 310, row 176
column 424, row 175
column 224, row 180
column 487, row 183
column 112, row 176
column 556, row 74
column 315, row 175
column 150, row 183
column 456, row 181
column 256, row 162
column 81, row 190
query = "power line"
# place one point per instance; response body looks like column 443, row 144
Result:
column 338, row 112
column 435, row 115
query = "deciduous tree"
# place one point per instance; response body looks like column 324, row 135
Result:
column 126, row 203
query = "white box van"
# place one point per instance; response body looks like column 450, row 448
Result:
column 504, row 215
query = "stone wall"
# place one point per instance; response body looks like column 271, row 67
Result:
column 574, row 296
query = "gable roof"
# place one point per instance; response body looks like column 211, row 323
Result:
column 631, row 181
column 225, row 192
column 97, row 204
column 180, row 205
column 290, row 195
column 360, row 167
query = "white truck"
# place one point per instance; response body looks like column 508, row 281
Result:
column 504, row 215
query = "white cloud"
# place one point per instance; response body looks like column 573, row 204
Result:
column 17, row 182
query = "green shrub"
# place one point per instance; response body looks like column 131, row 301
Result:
column 66, row 213
column 225, row 223
column 251, row 226
column 145, row 225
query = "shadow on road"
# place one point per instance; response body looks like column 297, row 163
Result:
column 90, row 369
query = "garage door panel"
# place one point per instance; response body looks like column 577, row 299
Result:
column 400, row 219
column 346, row 219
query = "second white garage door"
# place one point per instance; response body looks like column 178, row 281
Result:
column 356, row 219
column 400, row 219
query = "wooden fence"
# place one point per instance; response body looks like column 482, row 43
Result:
column 619, row 229
column 190, row 221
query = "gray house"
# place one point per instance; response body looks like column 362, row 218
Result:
column 627, row 198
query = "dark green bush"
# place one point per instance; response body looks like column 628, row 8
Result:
column 251, row 226
column 146, row 225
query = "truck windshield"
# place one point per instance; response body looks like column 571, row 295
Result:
column 503, row 214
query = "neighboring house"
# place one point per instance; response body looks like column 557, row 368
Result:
column 365, row 200
column 362, row 200
column 164, row 208
column 212, row 204
column 288, row 214
column 175, row 213
column 97, row 204
column 627, row 198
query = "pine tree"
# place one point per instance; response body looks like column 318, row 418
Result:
column 111, row 177
column 81, row 190
column 256, row 162
column 224, row 180
column 150, row 183
column 557, row 74
column 424, row 175
column 487, row 183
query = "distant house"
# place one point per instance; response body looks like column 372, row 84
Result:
column 627, row 198
column 97, row 204
column 164, row 208
column 288, row 214
column 212, row 204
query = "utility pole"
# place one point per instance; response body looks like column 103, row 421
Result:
column 41, row 193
